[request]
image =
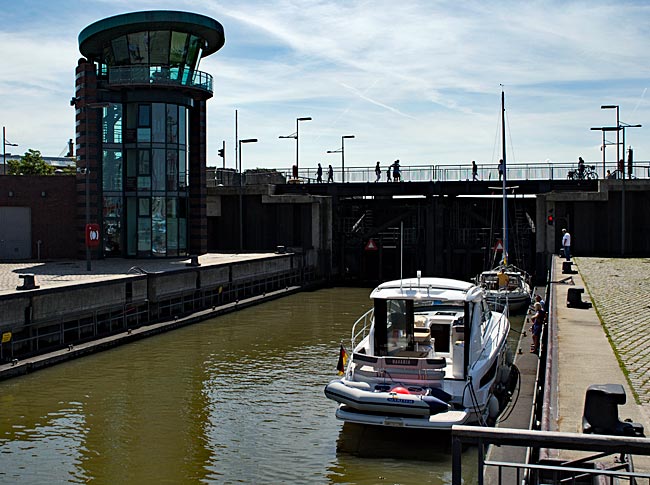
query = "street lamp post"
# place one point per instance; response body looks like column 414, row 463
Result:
column 342, row 152
column 241, row 189
column 618, row 126
column 623, row 126
column 296, row 136
column 5, row 144
column 604, row 129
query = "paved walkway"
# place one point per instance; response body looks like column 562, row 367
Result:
column 67, row 272
column 618, row 289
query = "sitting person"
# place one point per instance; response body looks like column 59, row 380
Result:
column 503, row 279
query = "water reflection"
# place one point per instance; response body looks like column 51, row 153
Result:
column 234, row 399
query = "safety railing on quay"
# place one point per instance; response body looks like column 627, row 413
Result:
column 594, row 457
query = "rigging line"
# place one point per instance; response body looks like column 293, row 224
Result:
column 497, row 143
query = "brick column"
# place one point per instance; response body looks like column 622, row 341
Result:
column 198, row 222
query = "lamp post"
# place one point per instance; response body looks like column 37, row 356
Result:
column 342, row 152
column 86, row 107
column 5, row 144
column 241, row 189
column 604, row 129
column 296, row 136
column 618, row 141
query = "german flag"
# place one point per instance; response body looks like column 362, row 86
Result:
column 343, row 361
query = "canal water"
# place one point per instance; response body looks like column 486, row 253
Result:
column 236, row 399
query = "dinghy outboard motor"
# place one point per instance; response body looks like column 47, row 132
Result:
column 601, row 412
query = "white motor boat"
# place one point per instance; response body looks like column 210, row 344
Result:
column 515, row 294
column 429, row 354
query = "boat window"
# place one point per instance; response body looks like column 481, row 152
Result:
column 399, row 323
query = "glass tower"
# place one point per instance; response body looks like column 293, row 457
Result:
column 140, row 102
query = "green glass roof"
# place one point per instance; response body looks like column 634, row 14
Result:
column 93, row 38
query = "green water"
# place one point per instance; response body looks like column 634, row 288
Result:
column 237, row 399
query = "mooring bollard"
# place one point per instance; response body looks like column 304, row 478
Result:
column 29, row 282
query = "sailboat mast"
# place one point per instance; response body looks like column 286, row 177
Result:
column 505, row 198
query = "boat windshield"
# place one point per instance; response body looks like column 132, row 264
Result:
column 398, row 334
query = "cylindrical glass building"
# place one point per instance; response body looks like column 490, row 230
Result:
column 140, row 109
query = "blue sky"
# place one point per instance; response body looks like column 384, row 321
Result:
column 414, row 80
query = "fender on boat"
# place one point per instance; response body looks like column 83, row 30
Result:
column 388, row 402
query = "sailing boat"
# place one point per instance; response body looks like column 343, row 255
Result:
column 506, row 286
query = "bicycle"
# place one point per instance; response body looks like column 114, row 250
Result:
column 589, row 173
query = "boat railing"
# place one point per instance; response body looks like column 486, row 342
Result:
column 364, row 323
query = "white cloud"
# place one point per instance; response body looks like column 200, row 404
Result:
column 419, row 81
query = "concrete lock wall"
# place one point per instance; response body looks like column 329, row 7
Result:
column 78, row 299
column 213, row 277
column 164, row 284
column 256, row 268
column 12, row 311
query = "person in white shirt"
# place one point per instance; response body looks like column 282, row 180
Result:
column 566, row 244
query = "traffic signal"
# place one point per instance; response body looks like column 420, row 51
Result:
column 549, row 220
column 221, row 154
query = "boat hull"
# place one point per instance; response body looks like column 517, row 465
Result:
column 516, row 303
column 440, row 421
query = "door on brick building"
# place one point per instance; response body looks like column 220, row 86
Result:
column 15, row 233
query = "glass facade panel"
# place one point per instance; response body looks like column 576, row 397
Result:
column 182, row 125
column 159, row 47
column 158, row 226
column 158, row 170
column 112, row 170
column 158, row 122
column 182, row 170
column 131, row 163
column 178, row 49
column 120, row 50
column 139, row 48
column 112, row 123
column 172, row 123
column 131, row 230
column 172, row 175
column 112, row 226
column 144, row 235
column 193, row 51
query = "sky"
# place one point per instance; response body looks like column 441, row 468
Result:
column 418, row 80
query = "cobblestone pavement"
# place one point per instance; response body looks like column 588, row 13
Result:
column 66, row 272
column 619, row 289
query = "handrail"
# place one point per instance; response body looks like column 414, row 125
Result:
column 367, row 320
column 462, row 172
column 160, row 75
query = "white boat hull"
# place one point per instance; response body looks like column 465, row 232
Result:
column 440, row 421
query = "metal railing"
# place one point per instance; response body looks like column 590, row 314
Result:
column 159, row 76
column 486, row 172
column 611, row 458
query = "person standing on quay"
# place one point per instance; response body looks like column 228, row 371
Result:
column 474, row 171
column 566, row 244
column 377, row 172
column 319, row 174
column 330, row 174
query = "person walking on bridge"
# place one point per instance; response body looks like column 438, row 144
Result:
column 377, row 172
column 319, row 174
column 474, row 171
column 330, row 175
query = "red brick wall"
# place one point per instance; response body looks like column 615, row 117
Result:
column 52, row 201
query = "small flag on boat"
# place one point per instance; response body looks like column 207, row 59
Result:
column 343, row 361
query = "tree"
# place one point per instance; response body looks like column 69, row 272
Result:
column 31, row 163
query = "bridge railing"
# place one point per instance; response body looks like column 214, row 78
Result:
column 450, row 173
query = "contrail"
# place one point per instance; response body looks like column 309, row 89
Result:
column 363, row 96
column 639, row 101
